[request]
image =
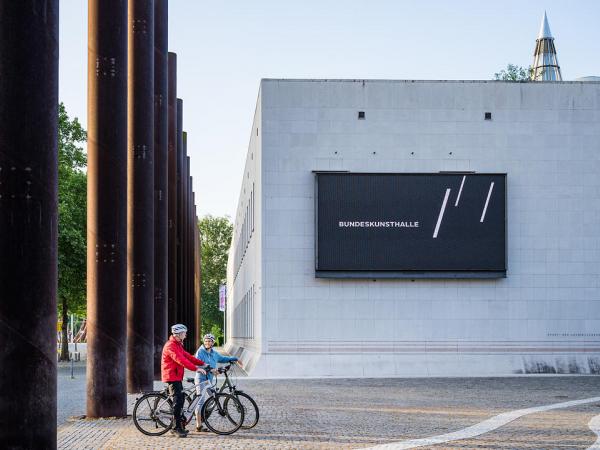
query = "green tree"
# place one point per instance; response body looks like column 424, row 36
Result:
column 215, row 236
column 513, row 73
column 72, row 196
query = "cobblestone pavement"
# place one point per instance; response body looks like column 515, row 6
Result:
column 71, row 391
column 358, row 413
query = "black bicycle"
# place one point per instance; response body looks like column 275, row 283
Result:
column 251, row 413
column 221, row 412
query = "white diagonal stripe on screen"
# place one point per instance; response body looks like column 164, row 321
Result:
column 439, row 221
column 487, row 200
column 460, row 190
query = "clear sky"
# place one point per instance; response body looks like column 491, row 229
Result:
column 224, row 48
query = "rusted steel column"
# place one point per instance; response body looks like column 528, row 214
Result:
column 140, row 201
column 179, row 161
column 198, row 307
column 161, row 144
column 183, row 243
column 28, row 222
column 188, row 254
column 172, row 190
column 107, row 208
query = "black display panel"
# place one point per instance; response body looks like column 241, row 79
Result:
column 410, row 225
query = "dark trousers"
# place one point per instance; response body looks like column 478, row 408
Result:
column 176, row 390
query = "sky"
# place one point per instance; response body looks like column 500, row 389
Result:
column 224, row 49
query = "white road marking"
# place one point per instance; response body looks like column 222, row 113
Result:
column 487, row 200
column 460, row 190
column 594, row 425
column 486, row 426
column 439, row 221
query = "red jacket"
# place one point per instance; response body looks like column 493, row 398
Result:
column 174, row 359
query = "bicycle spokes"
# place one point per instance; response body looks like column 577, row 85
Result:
column 223, row 414
column 153, row 414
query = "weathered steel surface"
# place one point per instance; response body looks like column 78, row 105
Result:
column 197, row 279
column 189, row 282
column 179, row 161
column 140, row 201
column 183, row 246
column 28, row 222
column 107, row 208
column 172, row 190
column 161, row 144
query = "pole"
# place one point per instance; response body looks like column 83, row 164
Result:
column 161, row 176
column 179, row 165
column 172, row 190
column 107, row 208
column 140, row 196
column 28, row 222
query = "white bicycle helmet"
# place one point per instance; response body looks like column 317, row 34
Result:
column 178, row 328
column 209, row 336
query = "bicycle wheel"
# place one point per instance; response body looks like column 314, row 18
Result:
column 250, row 410
column 223, row 414
column 153, row 414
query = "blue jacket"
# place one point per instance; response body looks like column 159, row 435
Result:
column 211, row 358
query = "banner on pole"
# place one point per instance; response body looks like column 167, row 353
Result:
column 222, row 297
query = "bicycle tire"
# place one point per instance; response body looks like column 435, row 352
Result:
column 248, row 422
column 152, row 401
column 222, row 408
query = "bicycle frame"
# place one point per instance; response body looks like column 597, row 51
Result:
column 189, row 411
column 227, row 384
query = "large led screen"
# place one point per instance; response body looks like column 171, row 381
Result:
column 410, row 225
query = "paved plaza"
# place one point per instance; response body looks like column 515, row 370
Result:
column 362, row 413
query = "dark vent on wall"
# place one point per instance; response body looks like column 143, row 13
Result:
column 488, row 116
column 361, row 115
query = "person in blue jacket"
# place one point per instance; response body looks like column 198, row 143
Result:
column 210, row 357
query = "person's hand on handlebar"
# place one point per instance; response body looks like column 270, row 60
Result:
column 201, row 371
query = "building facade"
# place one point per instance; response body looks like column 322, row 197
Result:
column 542, row 317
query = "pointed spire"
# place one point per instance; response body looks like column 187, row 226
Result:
column 545, row 62
column 544, row 28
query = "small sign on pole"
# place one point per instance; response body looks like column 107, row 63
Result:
column 222, row 297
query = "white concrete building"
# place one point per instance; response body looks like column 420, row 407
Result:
column 543, row 317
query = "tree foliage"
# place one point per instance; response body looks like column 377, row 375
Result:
column 215, row 238
column 513, row 73
column 72, row 196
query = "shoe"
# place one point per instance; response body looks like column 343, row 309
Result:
column 201, row 429
column 180, row 433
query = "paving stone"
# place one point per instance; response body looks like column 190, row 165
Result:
column 358, row 413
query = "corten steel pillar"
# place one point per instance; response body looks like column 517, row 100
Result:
column 188, row 253
column 161, row 144
column 179, row 164
column 188, row 277
column 28, row 222
column 172, row 191
column 198, row 307
column 107, row 208
column 140, row 201
column 183, row 244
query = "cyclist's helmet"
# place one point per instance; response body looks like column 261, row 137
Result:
column 178, row 328
column 209, row 336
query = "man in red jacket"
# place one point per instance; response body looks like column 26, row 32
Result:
column 173, row 363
